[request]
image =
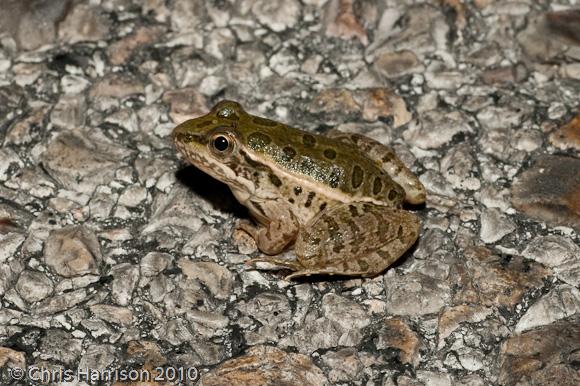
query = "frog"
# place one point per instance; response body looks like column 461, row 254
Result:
column 336, row 197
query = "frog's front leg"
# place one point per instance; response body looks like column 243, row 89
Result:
column 278, row 226
column 356, row 239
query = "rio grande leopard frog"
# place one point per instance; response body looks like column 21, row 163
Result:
column 336, row 197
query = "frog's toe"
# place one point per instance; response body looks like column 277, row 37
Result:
column 322, row 272
column 273, row 263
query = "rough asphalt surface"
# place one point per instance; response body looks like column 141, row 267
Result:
column 115, row 254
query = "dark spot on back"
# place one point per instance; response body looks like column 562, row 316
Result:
column 291, row 200
column 322, row 206
column 297, row 190
column 264, row 121
column 308, row 140
column 258, row 140
column 353, row 211
column 334, row 178
column 309, row 199
column 377, row 186
column 392, row 195
column 387, row 157
column 400, row 233
column 363, row 265
column 289, row 152
column 357, row 176
column 275, row 180
column 330, row 153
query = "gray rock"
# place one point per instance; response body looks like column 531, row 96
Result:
column 186, row 14
column 415, row 294
column 34, row 286
column 97, row 357
column 561, row 302
column 270, row 309
column 125, row 278
column 59, row 303
column 9, row 244
column 494, row 226
column 278, row 15
column 559, row 253
column 216, row 278
column 113, row 314
column 344, row 365
column 437, row 128
column 61, row 346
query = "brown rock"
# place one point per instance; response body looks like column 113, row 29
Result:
column 84, row 23
column 72, row 251
column 459, row 10
column 117, row 86
column 550, row 190
column 487, row 280
column 547, row 356
column 11, row 358
column 340, row 21
column 452, row 317
column 567, row 136
column 334, row 101
column 81, row 161
column 148, row 352
column 185, row 103
column 373, row 103
column 150, row 355
column 265, row 365
column 565, row 23
column 539, row 41
column 505, row 75
column 399, row 335
column 121, row 51
column 383, row 103
column 395, row 64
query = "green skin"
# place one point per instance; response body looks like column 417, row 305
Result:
column 336, row 197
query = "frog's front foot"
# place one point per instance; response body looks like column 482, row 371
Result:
column 277, row 234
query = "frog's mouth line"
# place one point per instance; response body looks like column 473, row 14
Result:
column 217, row 170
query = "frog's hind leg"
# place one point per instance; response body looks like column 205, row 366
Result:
column 389, row 162
column 354, row 239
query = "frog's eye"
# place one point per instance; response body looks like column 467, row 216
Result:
column 222, row 144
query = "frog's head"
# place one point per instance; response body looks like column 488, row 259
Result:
column 211, row 142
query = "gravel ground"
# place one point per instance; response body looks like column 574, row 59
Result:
column 115, row 254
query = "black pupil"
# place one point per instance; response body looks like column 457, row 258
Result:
column 221, row 143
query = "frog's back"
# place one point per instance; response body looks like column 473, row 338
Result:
column 339, row 169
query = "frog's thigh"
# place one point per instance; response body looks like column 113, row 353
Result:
column 395, row 168
column 274, row 237
column 356, row 239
